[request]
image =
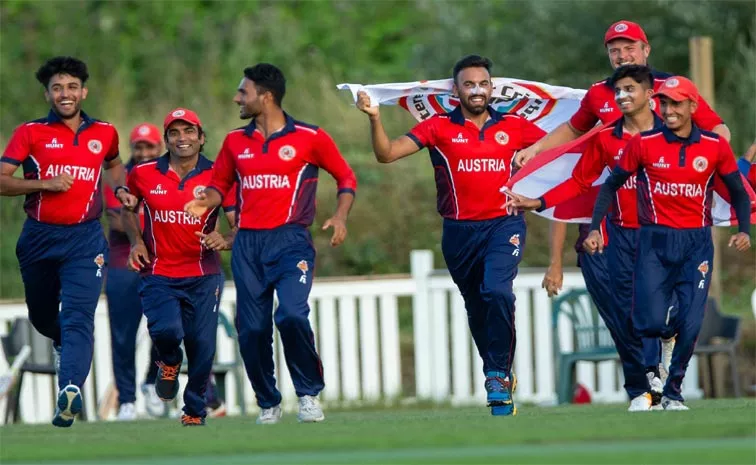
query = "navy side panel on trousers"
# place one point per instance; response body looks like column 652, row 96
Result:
column 184, row 309
column 596, row 274
column 621, row 265
column 63, row 268
column 482, row 258
column 280, row 259
column 125, row 312
column 673, row 263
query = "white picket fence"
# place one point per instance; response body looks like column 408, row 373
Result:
column 356, row 325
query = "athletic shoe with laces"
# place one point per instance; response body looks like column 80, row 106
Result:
column 656, row 387
column 154, row 404
column 642, row 403
column 672, row 404
column 269, row 416
column 499, row 388
column 127, row 412
column 68, row 406
column 167, row 384
column 190, row 420
column 309, row 410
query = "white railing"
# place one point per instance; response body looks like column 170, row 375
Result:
column 356, row 326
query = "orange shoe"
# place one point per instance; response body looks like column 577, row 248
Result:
column 189, row 420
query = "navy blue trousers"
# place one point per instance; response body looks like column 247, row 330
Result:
column 280, row 260
column 63, row 268
column 482, row 258
column 672, row 263
column 125, row 312
column 184, row 309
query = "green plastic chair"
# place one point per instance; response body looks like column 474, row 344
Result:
column 591, row 339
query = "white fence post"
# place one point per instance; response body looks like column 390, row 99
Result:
column 421, row 266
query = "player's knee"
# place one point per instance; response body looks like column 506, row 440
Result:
column 286, row 319
column 169, row 333
column 500, row 295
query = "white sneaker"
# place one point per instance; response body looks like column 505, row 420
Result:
column 666, row 359
column 269, row 416
column 656, row 388
column 309, row 410
column 154, row 405
column 127, row 412
column 642, row 403
column 671, row 404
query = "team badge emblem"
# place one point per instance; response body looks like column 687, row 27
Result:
column 621, row 27
column 198, row 191
column 178, row 113
column 95, row 146
column 502, row 138
column 672, row 82
column 704, row 268
column 100, row 262
column 286, row 152
column 700, row 164
column 302, row 265
column 143, row 130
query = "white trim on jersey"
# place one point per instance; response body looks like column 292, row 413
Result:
column 207, row 218
column 91, row 197
column 451, row 178
column 296, row 190
column 306, row 128
column 147, row 212
column 703, row 200
column 39, row 176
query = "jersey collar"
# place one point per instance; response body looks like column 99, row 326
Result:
column 457, row 117
column 694, row 137
column 619, row 129
column 203, row 164
column 53, row 117
column 288, row 128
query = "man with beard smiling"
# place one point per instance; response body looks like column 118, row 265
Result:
column 176, row 254
column 62, row 252
column 276, row 160
column 472, row 150
column 633, row 88
column 675, row 166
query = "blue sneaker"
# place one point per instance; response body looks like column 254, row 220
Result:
column 69, row 405
column 500, row 388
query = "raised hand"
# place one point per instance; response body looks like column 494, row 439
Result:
column 363, row 104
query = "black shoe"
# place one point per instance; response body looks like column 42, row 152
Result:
column 167, row 384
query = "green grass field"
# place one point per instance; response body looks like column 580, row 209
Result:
column 713, row 431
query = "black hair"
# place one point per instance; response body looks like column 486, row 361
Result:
column 638, row 73
column 471, row 61
column 267, row 78
column 62, row 65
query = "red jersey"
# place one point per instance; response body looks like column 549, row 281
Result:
column 752, row 176
column 278, row 177
column 675, row 176
column 601, row 152
column 169, row 232
column 598, row 104
column 472, row 164
column 47, row 148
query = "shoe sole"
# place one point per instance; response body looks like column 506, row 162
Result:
column 69, row 405
column 503, row 411
column 311, row 420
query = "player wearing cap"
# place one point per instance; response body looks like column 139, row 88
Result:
column 122, row 285
column 675, row 167
column 276, row 160
column 472, row 150
column 625, row 43
column 633, row 85
column 62, row 252
column 181, row 280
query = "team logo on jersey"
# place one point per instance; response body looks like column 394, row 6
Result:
column 286, row 152
column 54, row 144
column 704, row 269
column 502, row 138
column 515, row 241
column 158, row 190
column 460, row 139
column 621, row 27
column 178, row 113
column 700, row 164
column 100, row 262
column 199, row 190
column 246, row 154
column 302, row 265
column 671, row 83
column 619, row 154
column 661, row 163
column 606, row 108
column 94, row 146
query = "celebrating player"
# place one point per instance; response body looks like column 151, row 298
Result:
column 276, row 161
column 633, row 88
column 62, row 252
column 675, row 167
column 181, row 276
column 472, row 150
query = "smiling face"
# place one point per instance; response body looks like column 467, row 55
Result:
column 677, row 115
column 144, row 151
column 64, row 94
column 631, row 96
column 627, row 52
column 474, row 88
column 248, row 98
column 184, row 140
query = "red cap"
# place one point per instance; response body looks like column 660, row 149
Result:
column 145, row 132
column 182, row 114
column 625, row 30
column 678, row 89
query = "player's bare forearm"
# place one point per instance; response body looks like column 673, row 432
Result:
column 115, row 173
column 344, row 205
column 557, row 236
column 381, row 141
column 213, row 198
column 130, row 222
column 114, row 220
column 11, row 186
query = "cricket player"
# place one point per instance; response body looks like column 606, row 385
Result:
column 275, row 159
column 633, row 88
column 122, row 287
column 626, row 43
column 675, row 167
column 472, row 150
column 180, row 268
column 62, row 251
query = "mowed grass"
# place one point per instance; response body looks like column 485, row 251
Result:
column 713, row 431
